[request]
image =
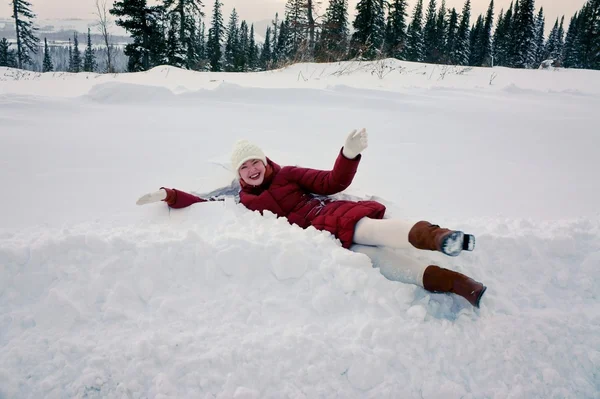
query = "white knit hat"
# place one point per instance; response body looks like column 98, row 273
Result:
column 243, row 150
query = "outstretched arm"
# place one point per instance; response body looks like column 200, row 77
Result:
column 338, row 179
column 173, row 197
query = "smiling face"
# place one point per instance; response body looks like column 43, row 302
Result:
column 252, row 172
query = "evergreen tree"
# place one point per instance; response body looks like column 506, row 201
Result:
column 561, row 39
column 540, row 26
column 189, row 12
column 460, row 53
column 297, row 21
column 369, row 30
column 232, row 43
column 89, row 59
column 333, row 40
column 475, row 43
column 265, row 55
column 252, row 53
column 175, row 47
column 8, row 57
column 503, row 39
column 25, row 32
column 524, row 35
column 552, row 47
column 595, row 35
column 512, row 48
column 201, row 44
column 442, row 32
column 283, row 49
column 485, row 40
column 414, row 35
column 47, row 64
column 588, row 35
column 160, row 23
column 570, row 53
column 431, row 47
column 146, row 27
column 215, row 38
column 241, row 59
column 451, row 37
column 190, row 44
column 70, row 68
column 275, row 30
column 76, row 65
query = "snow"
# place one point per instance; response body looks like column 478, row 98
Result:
column 102, row 298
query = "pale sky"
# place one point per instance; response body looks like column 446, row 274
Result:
column 257, row 10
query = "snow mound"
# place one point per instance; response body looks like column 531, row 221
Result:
column 215, row 299
column 127, row 93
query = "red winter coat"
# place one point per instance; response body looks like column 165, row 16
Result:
column 289, row 192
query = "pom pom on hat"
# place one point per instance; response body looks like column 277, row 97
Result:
column 243, row 150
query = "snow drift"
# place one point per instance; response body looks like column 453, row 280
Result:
column 100, row 298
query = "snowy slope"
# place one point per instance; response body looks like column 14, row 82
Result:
column 101, row 298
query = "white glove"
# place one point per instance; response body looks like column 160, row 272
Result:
column 152, row 197
column 355, row 143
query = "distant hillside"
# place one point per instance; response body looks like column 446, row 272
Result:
column 63, row 29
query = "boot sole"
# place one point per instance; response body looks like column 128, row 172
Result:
column 453, row 243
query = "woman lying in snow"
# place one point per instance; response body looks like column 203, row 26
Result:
column 290, row 191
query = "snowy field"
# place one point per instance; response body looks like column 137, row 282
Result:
column 100, row 298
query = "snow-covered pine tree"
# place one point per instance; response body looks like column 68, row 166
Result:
column 232, row 42
column 486, row 37
column 475, row 43
column 442, row 32
column 587, row 40
column 503, row 39
column 524, row 35
column 595, row 35
column 70, row 68
column 560, row 40
column 369, row 30
column 252, row 53
column 191, row 45
column 159, row 23
column 24, row 32
column 215, row 39
column 540, row 26
column 282, row 53
column 47, row 64
column 451, row 37
column 8, row 57
column 241, row 56
column 145, row 25
column 189, row 13
column 333, row 40
column 297, row 21
column 551, row 49
column 201, row 47
column 431, row 47
column 77, row 61
column 570, row 51
column 414, row 35
column 460, row 53
column 275, row 31
column 265, row 54
column 89, row 58
column 175, row 47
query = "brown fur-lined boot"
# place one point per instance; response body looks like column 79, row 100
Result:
column 437, row 279
column 424, row 235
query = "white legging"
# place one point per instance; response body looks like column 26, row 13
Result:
column 391, row 233
column 379, row 239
